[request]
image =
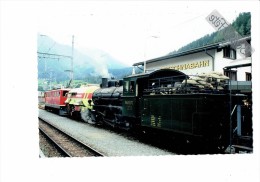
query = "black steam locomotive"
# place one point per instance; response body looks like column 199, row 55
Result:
column 196, row 108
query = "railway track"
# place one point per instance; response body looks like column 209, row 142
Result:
column 66, row 144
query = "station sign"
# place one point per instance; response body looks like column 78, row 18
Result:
column 187, row 66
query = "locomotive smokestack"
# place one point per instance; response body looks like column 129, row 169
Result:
column 104, row 82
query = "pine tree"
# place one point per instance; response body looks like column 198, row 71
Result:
column 241, row 30
column 248, row 27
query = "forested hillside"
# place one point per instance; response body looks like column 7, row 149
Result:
column 242, row 25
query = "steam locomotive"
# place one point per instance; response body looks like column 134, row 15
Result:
column 196, row 108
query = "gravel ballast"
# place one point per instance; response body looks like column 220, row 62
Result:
column 105, row 141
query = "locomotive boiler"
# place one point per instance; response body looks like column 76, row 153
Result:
column 107, row 102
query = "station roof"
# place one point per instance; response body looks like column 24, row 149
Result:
column 192, row 51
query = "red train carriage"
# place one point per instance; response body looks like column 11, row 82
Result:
column 55, row 100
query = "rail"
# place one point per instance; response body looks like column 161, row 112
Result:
column 69, row 145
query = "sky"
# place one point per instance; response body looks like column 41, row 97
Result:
column 132, row 31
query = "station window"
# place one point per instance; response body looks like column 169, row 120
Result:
column 248, row 76
column 229, row 53
column 232, row 74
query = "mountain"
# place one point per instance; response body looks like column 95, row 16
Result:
column 86, row 63
column 242, row 25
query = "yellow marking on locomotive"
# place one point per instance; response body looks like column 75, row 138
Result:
column 153, row 120
column 156, row 122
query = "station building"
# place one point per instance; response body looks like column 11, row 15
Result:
column 219, row 57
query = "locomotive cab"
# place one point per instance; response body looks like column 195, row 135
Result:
column 136, row 86
column 130, row 92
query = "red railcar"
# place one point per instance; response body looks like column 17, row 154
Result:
column 55, row 100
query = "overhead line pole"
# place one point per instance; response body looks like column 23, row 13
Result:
column 57, row 56
column 50, row 56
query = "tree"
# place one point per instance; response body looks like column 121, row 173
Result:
column 241, row 30
column 40, row 88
